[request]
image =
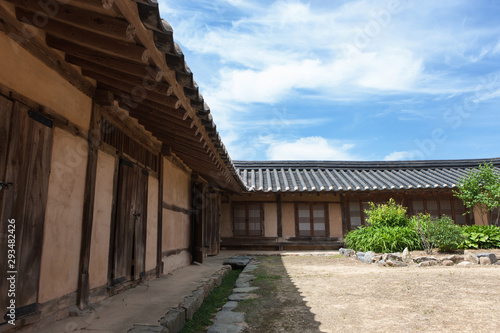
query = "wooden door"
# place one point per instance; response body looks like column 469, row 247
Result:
column 129, row 245
column 25, row 152
column 212, row 223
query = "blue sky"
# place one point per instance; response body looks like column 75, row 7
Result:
column 346, row 80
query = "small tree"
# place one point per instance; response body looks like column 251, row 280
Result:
column 387, row 215
column 480, row 190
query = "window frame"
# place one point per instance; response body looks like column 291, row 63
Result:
column 247, row 218
column 311, row 220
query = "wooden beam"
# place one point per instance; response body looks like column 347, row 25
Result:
column 159, row 236
column 77, row 16
column 34, row 45
column 81, row 56
column 138, row 93
column 142, row 82
column 146, row 38
column 88, row 212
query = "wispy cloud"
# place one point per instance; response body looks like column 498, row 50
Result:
column 310, row 148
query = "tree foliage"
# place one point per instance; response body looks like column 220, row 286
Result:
column 480, row 190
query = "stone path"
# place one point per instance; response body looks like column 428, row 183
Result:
column 226, row 320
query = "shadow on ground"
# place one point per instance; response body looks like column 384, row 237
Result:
column 280, row 306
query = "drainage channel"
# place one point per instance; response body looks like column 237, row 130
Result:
column 226, row 320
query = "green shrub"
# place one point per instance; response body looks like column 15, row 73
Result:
column 481, row 237
column 387, row 215
column 447, row 235
column 383, row 239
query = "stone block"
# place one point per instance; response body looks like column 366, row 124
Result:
column 448, row 262
column 368, row 258
column 244, row 290
column 485, row 261
column 139, row 328
column 395, row 263
column 471, row 257
column 190, row 306
column 493, row 258
column 237, row 262
column 229, row 317
column 174, row 320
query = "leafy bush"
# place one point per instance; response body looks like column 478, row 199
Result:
column 481, row 237
column 441, row 232
column 387, row 215
column 447, row 235
column 383, row 239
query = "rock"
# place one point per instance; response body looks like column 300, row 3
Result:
column 492, row 256
column 342, row 251
column 226, row 328
column 395, row 263
column 241, row 297
column 465, row 263
column 424, row 263
column 237, row 262
column 447, row 262
column 419, row 260
column 349, row 253
column 243, row 280
column 360, row 256
column 229, row 317
column 485, row 261
column 140, row 328
column 244, row 290
column 174, row 320
column 377, row 258
column 229, row 306
column 453, row 257
column 381, row 263
column 471, row 257
column 392, row 257
column 407, row 256
column 368, row 258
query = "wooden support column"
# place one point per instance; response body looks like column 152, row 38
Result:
column 88, row 208
column 197, row 219
column 280, row 220
column 159, row 263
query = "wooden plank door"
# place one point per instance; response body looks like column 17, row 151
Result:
column 130, row 225
column 197, row 218
column 212, row 221
column 25, row 152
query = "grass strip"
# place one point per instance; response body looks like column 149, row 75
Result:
column 204, row 316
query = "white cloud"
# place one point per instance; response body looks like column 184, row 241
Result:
column 309, row 148
column 401, row 156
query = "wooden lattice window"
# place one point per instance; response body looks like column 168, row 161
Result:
column 248, row 220
column 311, row 220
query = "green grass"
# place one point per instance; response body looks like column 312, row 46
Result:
column 213, row 303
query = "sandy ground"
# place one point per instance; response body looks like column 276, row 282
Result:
column 332, row 294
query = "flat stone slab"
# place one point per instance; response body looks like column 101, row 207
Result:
column 244, row 290
column 225, row 328
column 229, row 317
column 229, row 306
column 244, row 280
column 237, row 262
column 242, row 297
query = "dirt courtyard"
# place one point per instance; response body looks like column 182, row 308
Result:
column 337, row 294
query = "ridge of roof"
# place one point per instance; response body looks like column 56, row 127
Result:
column 365, row 165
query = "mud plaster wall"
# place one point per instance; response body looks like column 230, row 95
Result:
column 270, row 220
column 176, row 230
column 63, row 217
column 176, row 185
column 171, row 263
column 335, row 218
column 288, row 219
column 103, row 204
column 152, row 223
column 226, row 229
column 28, row 76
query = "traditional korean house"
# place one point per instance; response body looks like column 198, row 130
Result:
column 313, row 204
column 111, row 168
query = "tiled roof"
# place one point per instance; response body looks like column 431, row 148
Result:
column 319, row 176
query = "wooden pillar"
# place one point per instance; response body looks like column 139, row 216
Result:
column 159, row 262
column 197, row 219
column 88, row 208
column 280, row 221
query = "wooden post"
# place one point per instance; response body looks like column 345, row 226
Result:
column 88, row 208
column 198, row 209
column 159, row 263
column 280, row 221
